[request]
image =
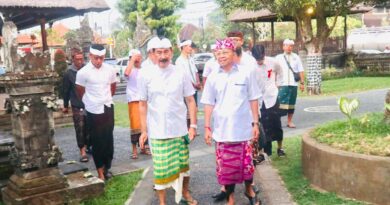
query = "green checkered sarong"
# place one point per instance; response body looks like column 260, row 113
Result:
column 170, row 158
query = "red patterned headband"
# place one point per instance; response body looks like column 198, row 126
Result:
column 225, row 43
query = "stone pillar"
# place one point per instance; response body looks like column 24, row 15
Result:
column 34, row 155
column 313, row 74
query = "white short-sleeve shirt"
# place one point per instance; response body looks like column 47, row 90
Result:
column 210, row 66
column 188, row 66
column 247, row 61
column 164, row 90
column 296, row 65
column 230, row 93
column 269, row 76
column 97, row 83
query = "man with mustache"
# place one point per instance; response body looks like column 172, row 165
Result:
column 231, row 97
column 162, row 89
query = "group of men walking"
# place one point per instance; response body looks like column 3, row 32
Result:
column 243, row 96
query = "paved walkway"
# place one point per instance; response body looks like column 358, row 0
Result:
column 203, row 181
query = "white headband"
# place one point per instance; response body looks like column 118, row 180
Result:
column 164, row 43
column 133, row 52
column 186, row 43
column 97, row 52
column 288, row 42
column 152, row 43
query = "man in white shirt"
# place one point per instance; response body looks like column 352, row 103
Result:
column 131, row 74
column 162, row 89
column 96, row 84
column 210, row 65
column 269, row 75
column 288, row 91
column 231, row 97
column 151, row 60
column 187, row 64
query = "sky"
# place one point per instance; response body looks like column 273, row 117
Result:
column 107, row 21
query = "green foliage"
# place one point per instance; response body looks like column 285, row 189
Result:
column 348, row 106
column 370, row 135
column 121, row 47
column 387, row 106
column 351, row 85
column 290, row 169
column 157, row 14
column 60, row 67
column 117, row 190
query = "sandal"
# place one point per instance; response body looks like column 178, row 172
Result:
column 84, row 159
column 146, row 151
column 253, row 200
column 188, row 202
column 134, row 156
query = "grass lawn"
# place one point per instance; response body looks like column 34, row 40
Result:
column 369, row 135
column 121, row 114
column 349, row 85
column 118, row 190
column 290, row 169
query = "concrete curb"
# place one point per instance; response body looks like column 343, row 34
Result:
column 131, row 197
column 273, row 189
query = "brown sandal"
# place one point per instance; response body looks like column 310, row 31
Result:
column 146, row 151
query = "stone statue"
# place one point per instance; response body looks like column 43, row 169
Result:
column 10, row 33
column 142, row 33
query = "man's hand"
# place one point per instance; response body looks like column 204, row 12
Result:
column 142, row 139
column 192, row 133
column 302, row 87
column 207, row 136
column 255, row 133
column 65, row 110
column 197, row 86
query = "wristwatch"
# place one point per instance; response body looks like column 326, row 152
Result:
column 255, row 123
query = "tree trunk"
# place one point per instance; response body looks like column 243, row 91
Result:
column 387, row 111
column 313, row 73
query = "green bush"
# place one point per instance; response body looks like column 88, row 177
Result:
column 60, row 67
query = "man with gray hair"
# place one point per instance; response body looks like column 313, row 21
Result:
column 291, row 63
column 96, row 84
column 161, row 90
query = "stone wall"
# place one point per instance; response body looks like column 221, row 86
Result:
column 373, row 62
column 358, row 176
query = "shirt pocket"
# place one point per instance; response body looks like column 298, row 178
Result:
column 239, row 89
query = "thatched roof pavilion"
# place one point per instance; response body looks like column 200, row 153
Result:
column 265, row 15
column 29, row 13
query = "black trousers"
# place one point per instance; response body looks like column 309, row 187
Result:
column 101, row 128
column 270, row 119
column 80, row 126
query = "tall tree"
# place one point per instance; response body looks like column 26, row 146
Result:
column 303, row 11
column 157, row 14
